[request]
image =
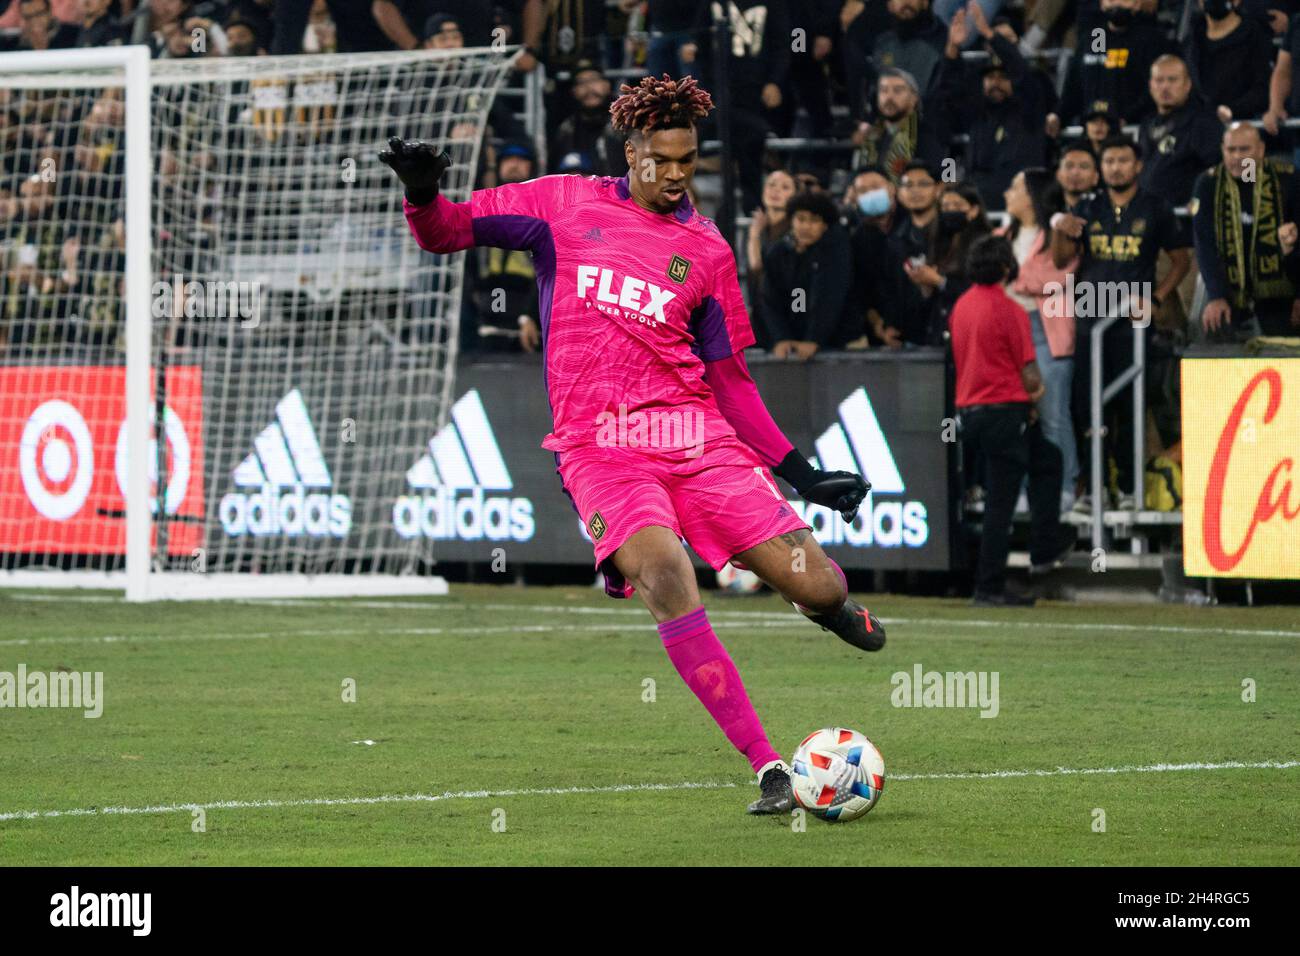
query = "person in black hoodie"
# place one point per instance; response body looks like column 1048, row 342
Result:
column 756, row 71
column 913, row 42
column 1111, row 72
column 1230, row 57
column 1181, row 139
column 862, row 23
column 806, row 282
column 1003, row 113
column 814, row 26
column 588, row 132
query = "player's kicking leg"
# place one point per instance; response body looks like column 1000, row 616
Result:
column 655, row 563
column 795, row 565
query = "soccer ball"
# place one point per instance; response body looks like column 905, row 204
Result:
column 735, row 581
column 837, row 774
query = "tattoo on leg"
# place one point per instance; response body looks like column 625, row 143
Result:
column 795, row 538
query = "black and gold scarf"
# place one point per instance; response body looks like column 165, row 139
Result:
column 1254, row 273
column 889, row 154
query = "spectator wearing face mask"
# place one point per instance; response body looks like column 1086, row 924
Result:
column 941, row 279
column 1229, row 57
column 879, row 286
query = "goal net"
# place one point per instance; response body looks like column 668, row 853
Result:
column 220, row 352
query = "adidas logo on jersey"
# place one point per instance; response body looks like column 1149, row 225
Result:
column 636, row 296
column 293, row 484
column 857, row 443
column 452, row 480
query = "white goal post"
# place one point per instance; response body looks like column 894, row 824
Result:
column 204, row 260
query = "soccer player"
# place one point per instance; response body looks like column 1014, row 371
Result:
column 641, row 315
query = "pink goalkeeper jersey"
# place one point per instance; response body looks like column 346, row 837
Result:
column 633, row 303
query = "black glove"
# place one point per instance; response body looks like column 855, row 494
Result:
column 418, row 165
column 840, row 491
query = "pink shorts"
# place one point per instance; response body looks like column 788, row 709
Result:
column 722, row 501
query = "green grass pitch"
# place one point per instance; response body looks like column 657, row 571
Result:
column 484, row 707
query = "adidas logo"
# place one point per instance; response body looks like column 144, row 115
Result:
column 857, row 443
column 451, row 481
column 593, row 235
column 292, row 480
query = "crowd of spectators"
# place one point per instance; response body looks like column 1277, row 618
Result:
column 875, row 142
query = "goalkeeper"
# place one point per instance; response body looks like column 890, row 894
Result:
column 643, row 323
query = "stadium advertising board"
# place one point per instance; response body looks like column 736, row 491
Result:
column 1241, row 486
column 65, row 454
column 307, row 461
column 484, row 481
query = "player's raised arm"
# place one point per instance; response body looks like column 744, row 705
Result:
column 513, row 216
column 723, row 331
column 438, row 224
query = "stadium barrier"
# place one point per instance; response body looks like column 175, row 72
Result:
column 480, row 483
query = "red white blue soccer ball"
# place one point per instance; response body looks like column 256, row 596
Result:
column 837, row 774
column 733, row 580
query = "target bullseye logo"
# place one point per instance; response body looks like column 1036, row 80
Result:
column 178, row 463
column 56, row 459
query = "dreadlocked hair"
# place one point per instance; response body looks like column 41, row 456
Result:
column 660, row 104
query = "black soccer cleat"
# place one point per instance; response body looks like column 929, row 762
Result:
column 852, row 623
column 777, row 793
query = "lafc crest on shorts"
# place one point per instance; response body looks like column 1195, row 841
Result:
column 596, row 526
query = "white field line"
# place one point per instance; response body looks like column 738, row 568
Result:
column 758, row 621
column 369, row 632
column 619, row 788
column 1036, row 624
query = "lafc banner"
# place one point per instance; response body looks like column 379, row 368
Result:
column 1241, row 438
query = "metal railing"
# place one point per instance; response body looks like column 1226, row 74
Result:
column 1134, row 375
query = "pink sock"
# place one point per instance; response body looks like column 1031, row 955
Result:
column 708, row 670
column 840, row 572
